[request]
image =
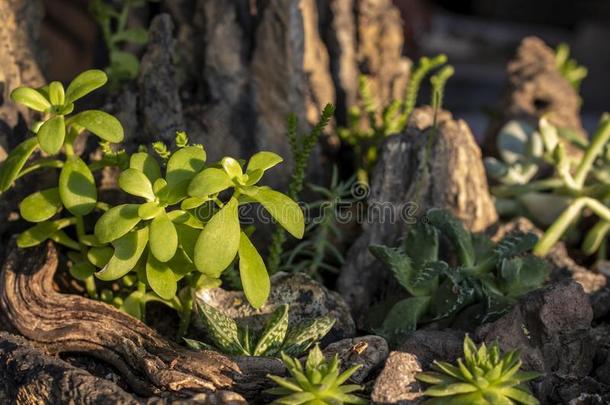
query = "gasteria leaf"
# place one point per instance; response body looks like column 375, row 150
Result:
column 253, row 273
column 222, row 231
column 145, row 163
column 283, row 209
column 84, row 84
column 116, row 222
column 209, row 181
column 136, row 183
column 163, row 238
column 51, row 135
column 10, row 168
column 30, row 98
column 127, row 252
column 40, row 206
column 101, row 124
column 77, row 187
column 161, row 278
column 274, row 333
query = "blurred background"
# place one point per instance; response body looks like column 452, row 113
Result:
column 478, row 36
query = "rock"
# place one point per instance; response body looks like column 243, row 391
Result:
column 562, row 266
column 368, row 351
column 552, row 328
column 430, row 345
column 417, row 170
column 535, row 88
column 397, row 384
column 307, row 299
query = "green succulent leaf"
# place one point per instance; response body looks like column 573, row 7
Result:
column 300, row 337
column 99, row 256
column 274, row 333
column 136, row 183
column 41, row 205
column 127, row 251
column 400, row 265
column 187, row 239
column 209, row 181
column 10, row 168
column 521, row 275
column 184, row 164
column 77, row 187
column 136, row 35
column 221, row 329
column 150, row 210
column 56, row 93
column 231, row 167
column 116, row 222
column 30, row 98
column 253, row 273
column 101, row 124
column 51, row 135
column 84, row 84
column 283, row 209
column 404, row 317
column 124, row 64
column 161, row 278
column 453, row 228
column 163, row 238
column 41, row 232
column 222, row 230
column 515, row 244
column 82, row 270
column 421, row 243
column 147, row 164
column 263, row 161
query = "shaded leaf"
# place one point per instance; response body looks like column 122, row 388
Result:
column 127, row 252
column 51, row 135
column 116, row 222
column 41, row 232
column 163, row 238
column 253, row 273
column 77, row 187
column 147, row 164
column 135, row 182
column 40, row 206
column 161, row 278
column 274, row 333
column 10, row 168
column 222, row 329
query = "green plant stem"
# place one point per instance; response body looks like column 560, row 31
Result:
column 187, row 310
column 599, row 140
column 42, row 163
column 91, row 287
column 556, row 231
column 90, row 284
column 142, row 289
column 515, row 190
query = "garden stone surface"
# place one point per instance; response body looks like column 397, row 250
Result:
column 397, row 384
column 552, row 328
column 368, row 351
column 306, row 297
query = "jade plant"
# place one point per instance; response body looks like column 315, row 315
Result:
column 484, row 376
column 74, row 197
column 577, row 184
column 117, row 34
column 320, row 382
column 233, row 338
column 368, row 126
column 484, row 284
column 166, row 244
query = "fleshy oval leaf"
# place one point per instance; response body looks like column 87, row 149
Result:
column 51, row 135
column 135, row 182
column 10, row 168
column 221, row 231
column 209, row 181
column 163, row 238
column 101, row 124
column 127, row 251
column 263, row 160
column 253, row 273
column 84, row 84
column 150, row 210
column 116, row 222
column 77, row 187
column 41, row 205
column 283, row 209
column 161, row 278
column 56, row 93
column 30, row 98
column 147, row 164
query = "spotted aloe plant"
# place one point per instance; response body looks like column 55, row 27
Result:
column 230, row 337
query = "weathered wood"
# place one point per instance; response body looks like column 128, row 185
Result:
column 150, row 364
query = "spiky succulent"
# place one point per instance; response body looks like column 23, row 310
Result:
column 483, row 377
column 483, row 285
column 318, row 383
column 232, row 338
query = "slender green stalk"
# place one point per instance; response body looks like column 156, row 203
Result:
column 599, row 140
column 40, row 164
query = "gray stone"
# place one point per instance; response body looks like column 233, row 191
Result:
column 368, row 351
column 396, row 384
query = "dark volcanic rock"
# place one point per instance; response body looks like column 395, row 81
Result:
column 552, row 328
column 369, row 351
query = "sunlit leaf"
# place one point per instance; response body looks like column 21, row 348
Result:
column 116, row 222
column 56, row 93
column 135, row 182
column 283, row 209
column 161, row 278
column 100, row 256
column 209, row 181
column 147, row 164
column 84, row 84
column 163, row 238
column 10, row 168
column 149, row 210
column 41, row 232
column 263, row 161
column 101, row 124
column 41, row 205
column 221, row 231
column 30, row 98
column 77, row 187
column 253, row 273
column 127, row 252
column 51, row 135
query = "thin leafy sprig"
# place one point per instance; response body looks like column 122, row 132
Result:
column 484, row 376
